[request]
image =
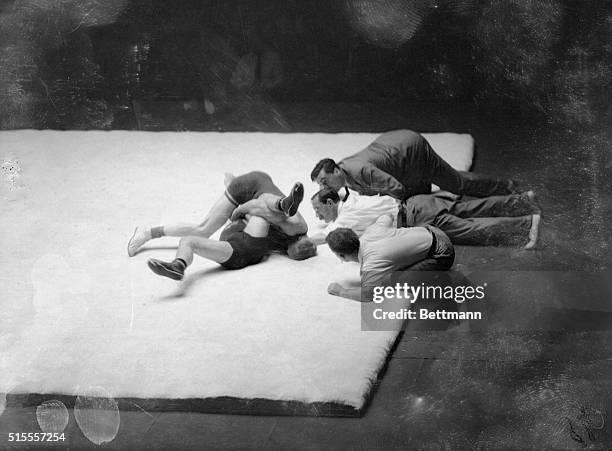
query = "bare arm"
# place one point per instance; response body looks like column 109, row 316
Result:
column 349, row 293
column 265, row 206
column 318, row 238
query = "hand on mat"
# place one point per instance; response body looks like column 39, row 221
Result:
column 335, row 289
column 264, row 207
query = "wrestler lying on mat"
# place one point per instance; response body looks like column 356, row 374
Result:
column 242, row 242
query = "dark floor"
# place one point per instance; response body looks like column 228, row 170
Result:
column 536, row 373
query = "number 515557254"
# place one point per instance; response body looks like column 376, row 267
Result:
column 36, row 437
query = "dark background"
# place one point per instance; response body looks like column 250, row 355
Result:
column 244, row 64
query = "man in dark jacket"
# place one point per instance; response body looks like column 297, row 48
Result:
column 401, row 164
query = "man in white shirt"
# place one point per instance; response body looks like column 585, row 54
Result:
column 493, row 220
column 384, row 249
column 349, row 209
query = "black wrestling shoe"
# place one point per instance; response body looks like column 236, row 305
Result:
column 289, row 205
column 172, row 270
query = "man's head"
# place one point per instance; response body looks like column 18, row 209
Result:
column 325, row 204
column 302, row 249
column 344, row 243
column 328, row 175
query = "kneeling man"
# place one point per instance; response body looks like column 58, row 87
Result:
column 384, row 249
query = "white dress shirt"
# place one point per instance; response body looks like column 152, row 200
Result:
column 358, row 212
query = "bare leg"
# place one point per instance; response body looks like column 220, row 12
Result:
column 216, row 217
column 217, row 251
column 266, row 206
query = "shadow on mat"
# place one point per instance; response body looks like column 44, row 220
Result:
column 189, row 280
column 156, row 248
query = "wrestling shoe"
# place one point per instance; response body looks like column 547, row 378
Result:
column 534, row 232
column 174, row 270
column 289, row 205
column 140, row 237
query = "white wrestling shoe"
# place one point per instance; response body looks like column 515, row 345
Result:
column 140, row 237
column 534, row 232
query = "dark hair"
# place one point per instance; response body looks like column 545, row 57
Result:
column 326, row 193
column 327, row 164
column 302, row 249
column 343, row 241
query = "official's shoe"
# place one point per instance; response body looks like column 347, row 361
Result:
column 140, row 237
column 167, row 269
column 289, row 205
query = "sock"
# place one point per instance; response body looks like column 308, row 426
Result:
column 180, row 262
column 157, row 232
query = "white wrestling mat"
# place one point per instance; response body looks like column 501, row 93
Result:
column 77, row 312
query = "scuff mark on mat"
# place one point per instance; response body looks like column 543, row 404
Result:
column 10, row 174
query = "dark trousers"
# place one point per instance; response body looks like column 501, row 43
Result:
column 489, row 221
column 429, row 167
column 441, row 255
column 431, row 270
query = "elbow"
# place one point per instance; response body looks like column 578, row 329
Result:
column 301, row 228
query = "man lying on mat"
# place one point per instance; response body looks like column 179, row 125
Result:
column 288, row 232
column 401, row 164
column 492, row 220
column 241, row 244
column 384, row 249
column 238, row 190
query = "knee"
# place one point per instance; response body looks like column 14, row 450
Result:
column 200, row 231
column 186, row 241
